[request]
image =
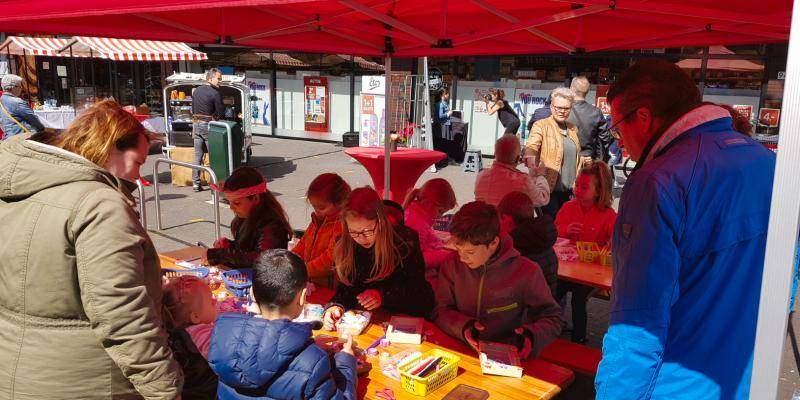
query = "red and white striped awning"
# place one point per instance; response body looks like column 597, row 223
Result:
column 284, row 60
column 141, row 50
column 38, row 46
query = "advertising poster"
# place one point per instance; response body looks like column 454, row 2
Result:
column 602, row 104
column 769, row 117
column 373, row 111
column 526, row 102
column 260, row 112
column 316, row 103
column 745, row 110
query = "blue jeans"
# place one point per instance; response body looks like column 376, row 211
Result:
column 200, row 136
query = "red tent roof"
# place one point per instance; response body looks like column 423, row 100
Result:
column 415, row 27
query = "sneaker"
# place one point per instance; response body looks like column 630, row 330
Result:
column 197, row 188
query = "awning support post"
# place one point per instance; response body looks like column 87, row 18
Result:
column 387, row 166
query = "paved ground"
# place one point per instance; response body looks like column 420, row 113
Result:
column 290, row 165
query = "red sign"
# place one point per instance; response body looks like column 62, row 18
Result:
column 317, row 98
column 745, row 110
column 602, row 104
column 769, row 117
column 367, row 104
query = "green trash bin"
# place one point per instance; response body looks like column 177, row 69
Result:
column 218, row 153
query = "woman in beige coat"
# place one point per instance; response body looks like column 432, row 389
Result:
column 80, row 285
column 553, row 145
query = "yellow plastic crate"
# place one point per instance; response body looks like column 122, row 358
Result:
column 605, row 257
column 422, row 386
column 588, row 252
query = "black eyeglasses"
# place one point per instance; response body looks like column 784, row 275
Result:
column 614, row 129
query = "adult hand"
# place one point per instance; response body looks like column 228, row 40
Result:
column 370, row 299
column 574, row 229
column 331, row 317
column 472, row 334
column 222, row 243
column 538, row 169
column 527, row 346
column 348, row 346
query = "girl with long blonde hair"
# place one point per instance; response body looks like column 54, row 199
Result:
column 379, row 266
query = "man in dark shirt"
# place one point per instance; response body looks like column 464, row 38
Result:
column 206, row 106
column 590, row 122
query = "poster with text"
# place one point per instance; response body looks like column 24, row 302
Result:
column 316, row 103
column 260, row 113
column 526, row 102
column 478, row 102
column 769, row 117
column 745, row 110
column 602, row 104
column 373, row 120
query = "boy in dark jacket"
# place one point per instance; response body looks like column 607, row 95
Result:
column 268, row 356
column 492, row 293
column 534, row 235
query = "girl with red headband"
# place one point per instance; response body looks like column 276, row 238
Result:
column 260, row 222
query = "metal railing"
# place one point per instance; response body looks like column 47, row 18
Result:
column 142, row 207
column 214, row 195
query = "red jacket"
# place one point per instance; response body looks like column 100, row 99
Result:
column 598, row 225
column 316, row 245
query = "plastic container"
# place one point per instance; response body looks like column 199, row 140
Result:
column 448, row 370
column 238, row 281
column 588, row 252
column 353, row 322
column 170, row 273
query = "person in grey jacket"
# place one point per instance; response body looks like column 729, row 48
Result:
column 16, row 116
column 592, row 130
column 492, row 293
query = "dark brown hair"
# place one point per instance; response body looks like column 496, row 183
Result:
column 518, row 206
column 268, row 209
column 477, row 223
column 658, row 85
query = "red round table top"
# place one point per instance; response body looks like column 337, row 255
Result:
column 407, row 166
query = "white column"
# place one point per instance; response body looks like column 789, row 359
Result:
column 387, row 166
column 426, row 99
column 782, row 236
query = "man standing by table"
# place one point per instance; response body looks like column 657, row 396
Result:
column 206, row 107
column 689, row 244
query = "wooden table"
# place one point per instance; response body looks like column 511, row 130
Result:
column 594, row 275
column 189, row 254
column 542, row 380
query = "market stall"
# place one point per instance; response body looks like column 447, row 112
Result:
column 414, row 28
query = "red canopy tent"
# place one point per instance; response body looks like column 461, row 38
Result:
column 416, row 28
column 721, row 64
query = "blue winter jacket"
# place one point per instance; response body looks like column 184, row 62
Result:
column 261, row 359
column 20, row 110
column 689, row 247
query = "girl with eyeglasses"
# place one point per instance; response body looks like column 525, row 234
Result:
column 378, row 266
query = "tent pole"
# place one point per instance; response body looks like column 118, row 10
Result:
column 387, row 165
column 426, row 108
column 703, row 71
column 773, row 308
column 352, row 93
column 273, row 95
column 74, row 76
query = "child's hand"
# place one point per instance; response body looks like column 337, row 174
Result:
column 370, row 299
column 574, row 229
column 222, row 243
column 472, row 335
column 527, row 346
column 331, row 316
column 348, row 346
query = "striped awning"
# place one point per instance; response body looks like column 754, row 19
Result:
column 284, row 60
column 141, row 50
column 38, row 46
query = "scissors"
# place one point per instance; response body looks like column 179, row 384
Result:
column 385, row 394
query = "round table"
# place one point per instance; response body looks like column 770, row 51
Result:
column 55, row 119
column 407, row 165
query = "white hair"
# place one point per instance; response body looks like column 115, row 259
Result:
column 580, row 85
column 564, row 93
column 10, row 81
column 211, row 73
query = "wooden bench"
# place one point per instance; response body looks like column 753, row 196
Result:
column 574, row 356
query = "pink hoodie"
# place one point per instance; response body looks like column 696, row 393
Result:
column 421, row 220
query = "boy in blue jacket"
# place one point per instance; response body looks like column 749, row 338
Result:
column 268, row 356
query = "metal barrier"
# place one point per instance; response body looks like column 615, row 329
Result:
column 214, row 195
column 142, row 207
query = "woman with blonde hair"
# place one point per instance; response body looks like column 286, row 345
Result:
column 80, row 297
column 379, row 266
